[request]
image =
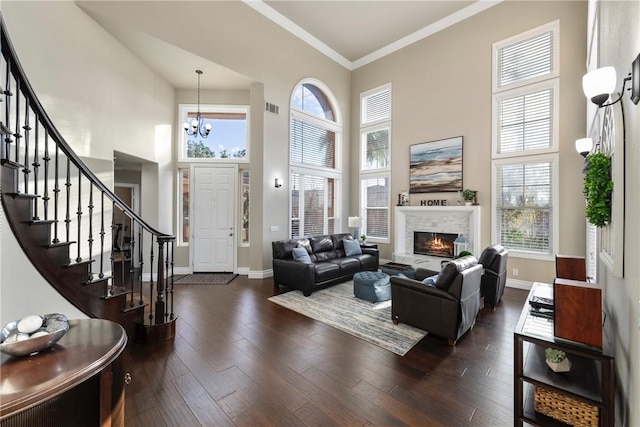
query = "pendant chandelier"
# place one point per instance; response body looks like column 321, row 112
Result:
column 197, row 125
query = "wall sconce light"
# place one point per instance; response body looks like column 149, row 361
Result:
column 278, row 182
column 355, row 222
column 599, row 84
column 584, row 146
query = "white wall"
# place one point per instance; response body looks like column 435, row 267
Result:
column 102, row 99
column 619, row 44
column 442, row 88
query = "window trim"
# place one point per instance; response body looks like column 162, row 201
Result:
column 180, row 208
column 364, row 95
column 184, row 109
column 363, row 146
column 554, row 85
column 374, row 175
column 553, row 26
column 552, row 158
column 302, row 169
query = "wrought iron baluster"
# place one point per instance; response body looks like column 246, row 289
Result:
column 102, row 233
column 79, row 216
column 7, row 108
column 67, row 217
column 90, row 240
column 56, row 194
column 16, row 133
column 25, row 166
column 47, row 159
column 36, row 165
column 113, row 256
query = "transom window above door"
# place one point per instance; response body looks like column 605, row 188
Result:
column 228, row 139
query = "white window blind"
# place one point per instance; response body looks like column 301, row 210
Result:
column 375, row 197
column 526, row 59
column 525, row 121
column 525, row 206
column 376, row 106
column 312, row 145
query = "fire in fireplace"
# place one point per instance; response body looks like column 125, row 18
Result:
column 435, row 244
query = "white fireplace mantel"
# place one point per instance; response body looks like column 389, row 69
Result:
column 461, row 220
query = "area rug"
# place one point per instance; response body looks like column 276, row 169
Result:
column 337, row 307
column 206, row 279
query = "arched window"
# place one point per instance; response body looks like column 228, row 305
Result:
column 315, row 138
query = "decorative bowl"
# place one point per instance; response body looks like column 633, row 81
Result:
column 56, row 324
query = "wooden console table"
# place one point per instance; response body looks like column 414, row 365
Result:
column 590, row 380
column 78, row 382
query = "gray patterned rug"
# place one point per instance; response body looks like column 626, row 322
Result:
column 206, row 279
column 336, row 306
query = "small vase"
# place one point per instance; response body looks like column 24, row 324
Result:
column 564, row 366
column 468, row 203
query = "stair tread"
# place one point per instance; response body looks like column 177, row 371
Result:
column 39, row 222
column 11, row 164
column 76, row 263
column 22, row 195
column 59, row 244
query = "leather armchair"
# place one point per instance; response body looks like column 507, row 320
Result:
column 448, row 308
column 494, row 261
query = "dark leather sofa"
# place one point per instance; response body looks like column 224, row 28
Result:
column 329, row 264
column 447, row 308
column 494, row 279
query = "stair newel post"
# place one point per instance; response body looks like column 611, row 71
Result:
column 102, row 233
column 151, row 284
column 46, row 159
column 90, row 240
column 25, row 167
column 166, row 281
column 67, row 218
column 160, row 283
column 172, row 262
column 79, row 215
column 56, row 194
column 140, row 262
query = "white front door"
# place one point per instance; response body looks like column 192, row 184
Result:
column 213, row 210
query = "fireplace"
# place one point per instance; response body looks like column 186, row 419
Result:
column 434, row 244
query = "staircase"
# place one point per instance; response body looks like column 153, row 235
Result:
column 63, row 217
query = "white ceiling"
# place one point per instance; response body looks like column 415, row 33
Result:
column 352, row 33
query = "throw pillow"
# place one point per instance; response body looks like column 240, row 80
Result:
column 300, row 254
column 431, row 280
column 352, row 247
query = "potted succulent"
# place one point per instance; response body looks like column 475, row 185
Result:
column 557, row 360
column 468, row 196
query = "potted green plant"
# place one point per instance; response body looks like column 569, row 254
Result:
column 363, row 238
column 597, row 189
column 557, row 360
column 468, row 196
column 464, row 253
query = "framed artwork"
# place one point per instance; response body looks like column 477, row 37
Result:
column 436, row 166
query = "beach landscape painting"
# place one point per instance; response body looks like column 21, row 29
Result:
column 436, row 166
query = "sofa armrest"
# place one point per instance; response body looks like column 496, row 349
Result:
column 422, row 288
column 295, row 274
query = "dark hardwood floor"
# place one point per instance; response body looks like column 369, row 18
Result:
column 240, row 360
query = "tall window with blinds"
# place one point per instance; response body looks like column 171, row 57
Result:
column 375, row 162
column 525, row 142
column 315, row 166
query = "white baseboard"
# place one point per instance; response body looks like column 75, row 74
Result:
column 519, row 284
column 260, row 274
column 243, row 271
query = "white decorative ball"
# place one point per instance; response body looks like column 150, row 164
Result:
column 30, row 324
